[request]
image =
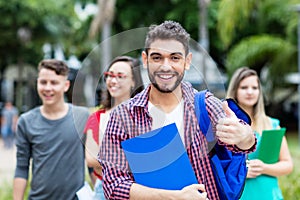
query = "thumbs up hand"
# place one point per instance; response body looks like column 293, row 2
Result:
column 229, row 113
column 231, row 130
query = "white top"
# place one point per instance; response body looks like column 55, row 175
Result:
column 160, row 118
column 104, row 117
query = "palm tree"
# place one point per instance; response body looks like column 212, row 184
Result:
column 258, row 34
column 261, row 35
column 261, row 51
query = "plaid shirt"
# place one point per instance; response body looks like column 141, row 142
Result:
column 132, row 118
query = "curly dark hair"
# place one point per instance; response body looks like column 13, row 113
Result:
column 165, row 31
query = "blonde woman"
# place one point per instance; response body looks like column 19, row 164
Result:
column 261, row 182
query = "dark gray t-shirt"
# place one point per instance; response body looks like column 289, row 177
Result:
column 56, row 148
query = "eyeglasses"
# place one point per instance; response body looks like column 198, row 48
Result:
column 111, row 75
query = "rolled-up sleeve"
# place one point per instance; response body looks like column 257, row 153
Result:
column 23, row 151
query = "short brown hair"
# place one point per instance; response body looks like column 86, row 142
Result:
column 60, row 67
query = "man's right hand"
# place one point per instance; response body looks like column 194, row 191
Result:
column 195, row 191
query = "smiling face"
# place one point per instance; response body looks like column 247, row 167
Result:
column 248, row 92
column 119, row 81
column 51, row 87
column 166, row 63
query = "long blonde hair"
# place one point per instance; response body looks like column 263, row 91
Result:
column 260, row 121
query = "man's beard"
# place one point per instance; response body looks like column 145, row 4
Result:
column 165, row 89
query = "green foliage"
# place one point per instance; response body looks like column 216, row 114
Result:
column 261, row 35
column 229, row 23
column 256, row 51
column 239, row 19
column 264, row 50
column 275, row 14
column 138, row 13
column 290, row 184
column 6, row 191
column 233, row 16
column 16, row 14
column 45, row 21
column 189, row 19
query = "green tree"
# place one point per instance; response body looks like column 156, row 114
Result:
column 26, row 26
column 45, row 21
column 261, row 35
column 252, row 30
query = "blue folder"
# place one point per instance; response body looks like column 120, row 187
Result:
column 158, row 159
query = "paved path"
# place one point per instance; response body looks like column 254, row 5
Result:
column 7, row 164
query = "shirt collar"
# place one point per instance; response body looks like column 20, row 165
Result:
column 187, row 93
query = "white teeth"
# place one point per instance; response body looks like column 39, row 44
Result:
column 165, row 76
column 114, row 88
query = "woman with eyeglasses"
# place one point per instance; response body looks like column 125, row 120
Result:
column 123, row 80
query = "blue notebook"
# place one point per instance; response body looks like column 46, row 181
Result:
column 158, row 159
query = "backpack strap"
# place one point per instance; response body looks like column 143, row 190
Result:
column 239, row 112
column 202, row 115
column 229, row 169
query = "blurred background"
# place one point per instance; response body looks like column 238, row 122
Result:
column 259, row 34
column 232, row 33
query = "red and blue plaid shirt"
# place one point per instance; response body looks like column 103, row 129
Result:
column 132, row 118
